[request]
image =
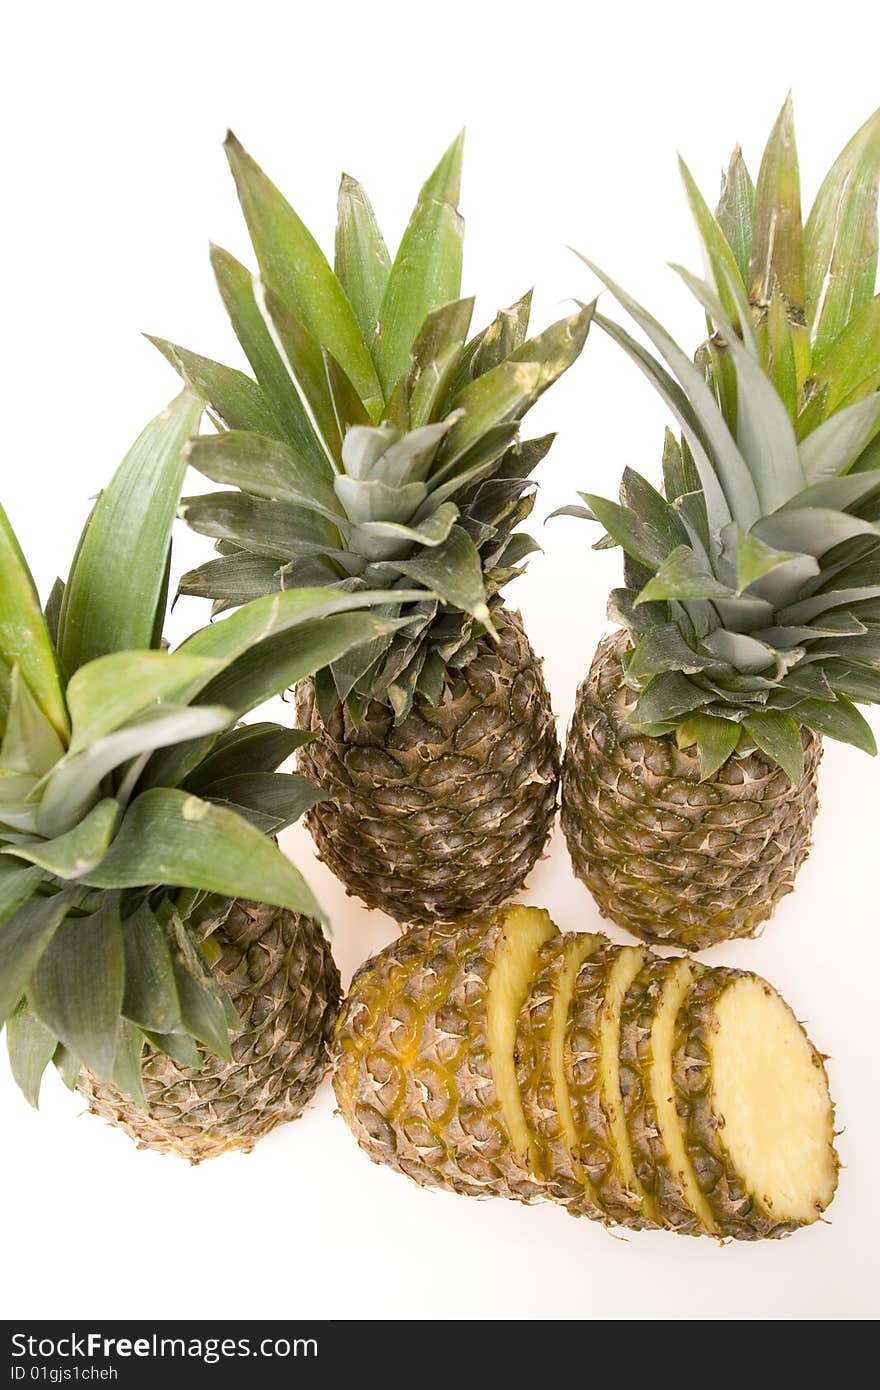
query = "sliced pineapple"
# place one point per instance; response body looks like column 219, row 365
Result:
column 502, row 1058
column 592, row 1068
column 541, row 1071
column 753, row 1100
column 660, row 1158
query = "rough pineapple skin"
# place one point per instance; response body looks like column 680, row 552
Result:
column 563, row 1182
column 443, row 815
column 278, row 970
column 596, row 1152
column 669, row 858
column 737, row 1212
column 652, row 1162
column 370, row 1006
column 420, row 1096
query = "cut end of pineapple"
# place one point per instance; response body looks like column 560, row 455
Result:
column 770, row 1095
column 524, row 933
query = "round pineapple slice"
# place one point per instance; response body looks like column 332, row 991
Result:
column 541, row 1072
column 753, row 1100
column 660, row 1158
column 592, row 1064
column 435, row 1093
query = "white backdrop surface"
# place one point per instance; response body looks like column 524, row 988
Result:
column 114, row 182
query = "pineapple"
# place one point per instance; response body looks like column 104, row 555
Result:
column 658, row 1149
column 277, row 971
column 750, row 611
column 378, row 445
column 592, row 1061
column 155, row 943
column 504, row 1058
column 730, row 1024
column 541, row 1073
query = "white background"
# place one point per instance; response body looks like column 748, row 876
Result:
column 114, row 181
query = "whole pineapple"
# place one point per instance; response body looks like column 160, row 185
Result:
column 750, row 615
column 276, row 969
column 378, row 446
column 136, row 824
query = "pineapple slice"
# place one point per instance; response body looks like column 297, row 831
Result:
column 660, row 1157
column 753, row 1101
column 592, row 1066
column 541, row 1071
column 523, row 931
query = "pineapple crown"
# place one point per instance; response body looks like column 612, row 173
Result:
column 379, row 444
column 133, row 805
column 752, row 588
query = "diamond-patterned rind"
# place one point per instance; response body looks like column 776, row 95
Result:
column 565, row 1180
column 443, row 815
column 421, row 1096
column 651, row 1159
column 671, row 859
column 279, row 972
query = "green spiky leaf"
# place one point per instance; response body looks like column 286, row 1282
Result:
column 716, row 740
column 151, row 999
column 31, row 1046
column 172, row 837
column 683, row 575
column 111, row 690
column 779, row 736
column 78, row 851
column 292, row 263
column 233, row 397
column 24, row 638
column 362, row 261
column 453, row 572
column 274, row 529
column 129, row 532
column 248, row 748
column 736, row 212
column 841, row 721
column 777, row 236
column 23, row 939
column 427, row 268
column 236, row 286
column 77, row 988
column 74, row 783
column 266, row 468
column 841, row 238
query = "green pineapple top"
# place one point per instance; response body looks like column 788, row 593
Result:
column 133, row 804
column 752, row 589
column 378, row 445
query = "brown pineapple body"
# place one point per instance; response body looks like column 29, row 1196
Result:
column 672, row 859
column 443, row 815
column 277, row 968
